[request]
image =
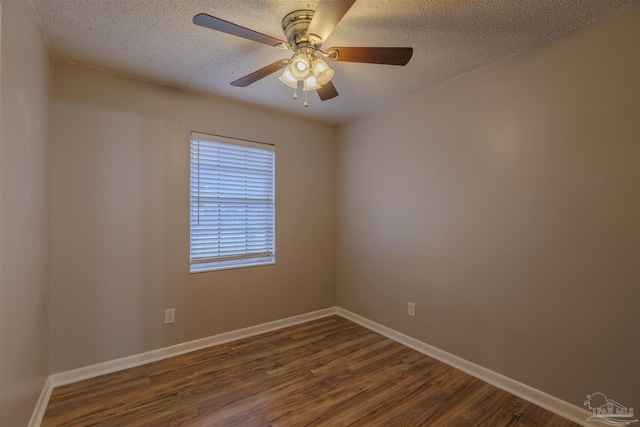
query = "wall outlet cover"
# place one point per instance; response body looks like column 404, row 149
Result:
column 169, row 316
column 411, row 309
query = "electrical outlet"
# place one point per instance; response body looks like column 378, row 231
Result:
column 411, row 309
column 169, row 316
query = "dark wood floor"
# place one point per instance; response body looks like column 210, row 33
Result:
column 328, row 372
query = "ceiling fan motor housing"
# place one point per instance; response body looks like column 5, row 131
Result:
column 295, row 26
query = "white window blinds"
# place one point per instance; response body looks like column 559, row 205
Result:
column 232, row 203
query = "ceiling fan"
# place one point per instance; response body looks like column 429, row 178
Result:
column 305, row 31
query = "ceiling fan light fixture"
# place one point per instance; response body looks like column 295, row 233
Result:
column 322, row 71
column 310, row 83
column 300, row 66
column 288, row 79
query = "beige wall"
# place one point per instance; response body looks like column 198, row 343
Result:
column 506, row 205
column 120, row 219
column 24, row 213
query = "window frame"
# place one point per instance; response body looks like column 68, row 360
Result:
column 200, row 265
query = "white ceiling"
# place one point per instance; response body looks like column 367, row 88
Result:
column 157, row 41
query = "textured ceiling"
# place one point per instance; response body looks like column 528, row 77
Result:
column 157, row 41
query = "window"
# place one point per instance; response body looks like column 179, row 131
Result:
column 232, row 203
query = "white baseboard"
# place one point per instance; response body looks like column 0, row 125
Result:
column 553, row 404
column 537, row 397
column 41, row 405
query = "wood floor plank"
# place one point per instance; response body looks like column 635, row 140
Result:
column 327, row 372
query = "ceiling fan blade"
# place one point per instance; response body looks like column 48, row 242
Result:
column 327, row 91
column 260, row 74
column 326, row 18
column 373, row 55
column 208, row 21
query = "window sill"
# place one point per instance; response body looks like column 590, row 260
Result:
column 230, row 264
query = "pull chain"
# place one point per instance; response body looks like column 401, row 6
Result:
column 295, row 95
column 305, row 99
